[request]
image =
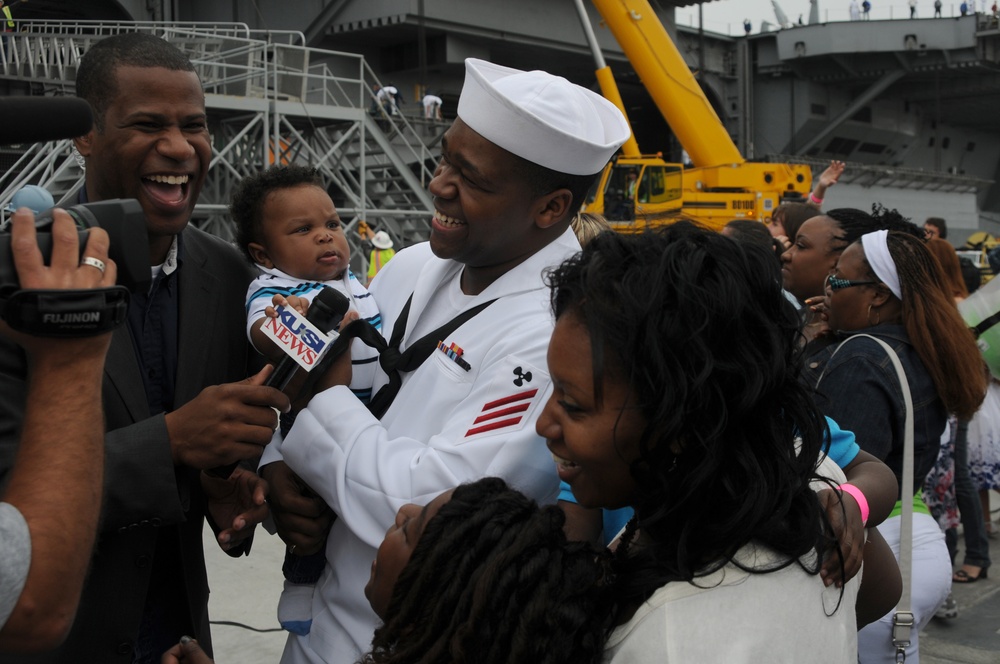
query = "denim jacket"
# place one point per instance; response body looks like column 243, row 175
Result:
column 860, row 390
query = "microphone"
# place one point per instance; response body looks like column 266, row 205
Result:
column 37, row 119
column 325, row 313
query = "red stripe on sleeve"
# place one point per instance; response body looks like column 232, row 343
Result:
column 492, row 426
column 519, row 408
column 512, row 398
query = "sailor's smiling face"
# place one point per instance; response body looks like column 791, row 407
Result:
column 153, row 145
column 484, row 207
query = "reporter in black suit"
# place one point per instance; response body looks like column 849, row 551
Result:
column 172, row 404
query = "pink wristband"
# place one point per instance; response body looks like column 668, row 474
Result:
column 817, row 201
column 855, row 493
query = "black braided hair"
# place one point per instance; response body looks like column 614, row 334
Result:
column 854, row 223
column 494, row 581
column 698, row 327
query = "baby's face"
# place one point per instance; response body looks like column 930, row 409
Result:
column 302, row 235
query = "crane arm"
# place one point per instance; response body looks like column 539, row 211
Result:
column 606, row 80
column 669, row 81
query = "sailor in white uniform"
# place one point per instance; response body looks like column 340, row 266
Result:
column 515, row 166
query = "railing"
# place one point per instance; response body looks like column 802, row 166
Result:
column 107, row 28
column 867, row 175
column 720, row 19
column 230, row 59
column 42, row 163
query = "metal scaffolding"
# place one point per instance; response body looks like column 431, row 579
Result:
column 269, row 100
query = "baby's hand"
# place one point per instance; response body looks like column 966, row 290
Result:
column 300, row 304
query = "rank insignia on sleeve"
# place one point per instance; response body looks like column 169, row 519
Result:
column 514, row 395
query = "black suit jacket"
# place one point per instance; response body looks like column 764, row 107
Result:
column 145, row 494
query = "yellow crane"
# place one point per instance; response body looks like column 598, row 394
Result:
column 638, row 190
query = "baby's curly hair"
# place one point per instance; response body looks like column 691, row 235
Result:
column 247, row 204
column 493, row 580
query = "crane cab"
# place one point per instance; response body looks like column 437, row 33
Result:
column 635, row 192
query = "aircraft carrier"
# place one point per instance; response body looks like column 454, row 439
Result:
column 908, row 104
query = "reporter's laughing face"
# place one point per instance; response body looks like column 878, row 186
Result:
column 153, row 146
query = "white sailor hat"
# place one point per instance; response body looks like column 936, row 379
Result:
column 542, row 118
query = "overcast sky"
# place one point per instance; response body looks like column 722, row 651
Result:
column 726, row 16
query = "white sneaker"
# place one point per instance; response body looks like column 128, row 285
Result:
column 948, row 610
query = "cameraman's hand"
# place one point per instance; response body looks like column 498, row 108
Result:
column 225, row 423
column 63, row 272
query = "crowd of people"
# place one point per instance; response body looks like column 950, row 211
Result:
column 860, row 10
column 570, row 445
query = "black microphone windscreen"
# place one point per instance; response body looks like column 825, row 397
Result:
column 328, row 308
column 37, row 119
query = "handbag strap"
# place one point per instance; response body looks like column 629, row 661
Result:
column 902, row 620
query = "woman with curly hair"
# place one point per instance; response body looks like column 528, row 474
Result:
column 888, row 285
column 482, row 575
column 676, row 392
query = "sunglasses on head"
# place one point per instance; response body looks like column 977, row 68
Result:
column 836, row 283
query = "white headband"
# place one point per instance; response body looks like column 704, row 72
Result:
column 877, row 252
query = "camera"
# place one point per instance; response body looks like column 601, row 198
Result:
column 79, row 313
column 126, row 227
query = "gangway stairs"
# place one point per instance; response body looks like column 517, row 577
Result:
column 269, row 100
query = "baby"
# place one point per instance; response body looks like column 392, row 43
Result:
column 289, row 228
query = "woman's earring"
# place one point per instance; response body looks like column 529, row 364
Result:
column 878, row 316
